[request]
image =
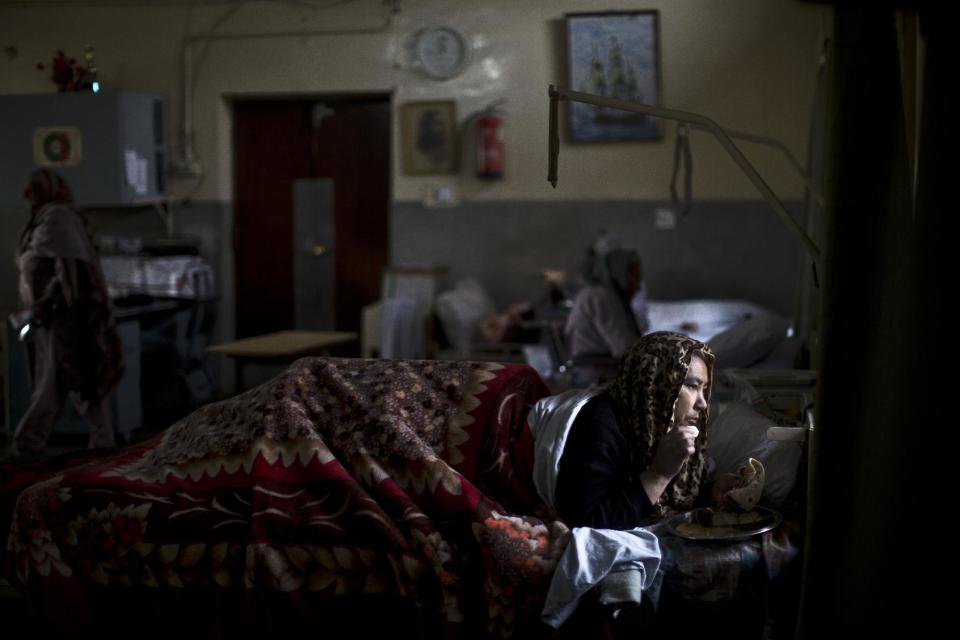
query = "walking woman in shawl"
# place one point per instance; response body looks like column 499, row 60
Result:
column 619, row 456
column 72, row 342
column 602, row 322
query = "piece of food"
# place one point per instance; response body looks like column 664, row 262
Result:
column 746, row 496
column 693, row 529
column 723, row 519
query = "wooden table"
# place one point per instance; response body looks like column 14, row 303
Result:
column 280, row 346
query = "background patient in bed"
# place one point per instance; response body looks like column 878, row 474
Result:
column 602, row 322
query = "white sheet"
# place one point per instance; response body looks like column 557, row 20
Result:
column 741, row 333
column 161, row 276
column 710, row 316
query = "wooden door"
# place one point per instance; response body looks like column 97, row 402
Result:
column 277, row 142
column 352, row 146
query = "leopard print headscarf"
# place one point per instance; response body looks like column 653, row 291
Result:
column 645, row 391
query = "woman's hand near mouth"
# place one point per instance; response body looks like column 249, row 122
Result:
column 676, row 447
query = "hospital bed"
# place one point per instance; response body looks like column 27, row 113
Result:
column 345, row 496
column 742, row 335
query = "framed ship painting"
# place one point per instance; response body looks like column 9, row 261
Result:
column 614, row 54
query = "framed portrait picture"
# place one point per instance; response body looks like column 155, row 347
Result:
column 429, row 137
column 615, row 54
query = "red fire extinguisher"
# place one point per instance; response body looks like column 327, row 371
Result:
column 490, row 144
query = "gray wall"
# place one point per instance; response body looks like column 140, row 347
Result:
column 728, row 249
column 720, row 249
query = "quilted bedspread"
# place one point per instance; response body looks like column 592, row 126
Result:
column 339, row 476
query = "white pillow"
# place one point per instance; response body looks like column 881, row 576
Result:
column 749, row 341
column 461, row 309
column 737, row 432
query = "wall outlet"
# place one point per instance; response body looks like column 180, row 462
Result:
column 442, row 195
column 665, row 219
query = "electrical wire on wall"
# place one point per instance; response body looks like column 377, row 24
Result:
column 188, row 166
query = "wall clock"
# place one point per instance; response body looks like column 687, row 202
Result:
column 441, row 52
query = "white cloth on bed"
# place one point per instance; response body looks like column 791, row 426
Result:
column 461, row 309
column 188, row 277
column 741, row 334
column 749, row 341
column 701, row 319
column 549, row 422
column 402, row 335
column 592, row 554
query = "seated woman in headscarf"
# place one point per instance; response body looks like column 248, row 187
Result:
column 616, row 457
column 602, row 321
column 73, row 345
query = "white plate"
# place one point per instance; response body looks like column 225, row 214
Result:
column 695, row 530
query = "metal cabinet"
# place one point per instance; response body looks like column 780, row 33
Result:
column 109, row 146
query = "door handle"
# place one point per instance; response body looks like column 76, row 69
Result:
column 319, row 249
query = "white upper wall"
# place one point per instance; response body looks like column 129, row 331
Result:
column 749, row 64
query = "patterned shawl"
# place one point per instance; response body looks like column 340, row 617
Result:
column 45, row 187
column 56, row 245
column 645, row 391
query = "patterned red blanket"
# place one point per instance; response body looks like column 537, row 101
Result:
column 340, row 476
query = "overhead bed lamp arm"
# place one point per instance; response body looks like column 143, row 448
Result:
column 776, row 144
column 557, row 94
